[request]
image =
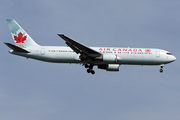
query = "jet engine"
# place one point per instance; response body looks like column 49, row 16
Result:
column 109, row 67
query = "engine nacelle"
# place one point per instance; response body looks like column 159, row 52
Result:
column 109, row 58
column 109, row 67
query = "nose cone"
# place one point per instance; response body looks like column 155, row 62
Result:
column 172, row 58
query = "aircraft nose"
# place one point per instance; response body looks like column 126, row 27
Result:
column 173, row 58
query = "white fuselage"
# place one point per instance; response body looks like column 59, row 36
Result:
column 106, row 58
column 133, row 56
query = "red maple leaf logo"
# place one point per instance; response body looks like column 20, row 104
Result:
column 20, row 38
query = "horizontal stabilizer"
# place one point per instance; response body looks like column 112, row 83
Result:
column 16, row 48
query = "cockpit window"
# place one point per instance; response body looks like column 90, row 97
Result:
column 169, row 54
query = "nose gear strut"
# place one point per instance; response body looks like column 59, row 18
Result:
column 161, row 70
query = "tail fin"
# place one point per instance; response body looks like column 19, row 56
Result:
column 20, row 37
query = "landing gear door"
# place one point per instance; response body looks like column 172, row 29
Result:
column 157, row 54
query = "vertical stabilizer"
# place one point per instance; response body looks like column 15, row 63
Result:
column 20, row 37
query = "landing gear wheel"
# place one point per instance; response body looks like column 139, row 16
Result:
column 88, row 70
column 92, row 72
column 161, row 70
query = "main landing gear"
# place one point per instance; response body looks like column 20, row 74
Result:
column 161, row 70
column 90, row 68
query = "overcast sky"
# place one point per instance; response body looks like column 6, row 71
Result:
column 35, row 90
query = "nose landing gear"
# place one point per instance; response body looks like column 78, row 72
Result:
column 161, row 70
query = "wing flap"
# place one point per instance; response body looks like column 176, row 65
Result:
column 73, row 48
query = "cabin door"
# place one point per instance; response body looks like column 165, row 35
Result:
column 42, row 51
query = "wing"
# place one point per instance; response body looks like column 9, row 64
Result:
column 80, row 48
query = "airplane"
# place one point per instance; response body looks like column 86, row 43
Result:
column 106, row 58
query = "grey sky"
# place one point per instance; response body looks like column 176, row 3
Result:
column 31, row 89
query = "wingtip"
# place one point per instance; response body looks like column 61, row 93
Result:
column 9, row 19
column 5, row 43
column 60, row 34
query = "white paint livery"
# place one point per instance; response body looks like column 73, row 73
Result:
column 106, row 58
